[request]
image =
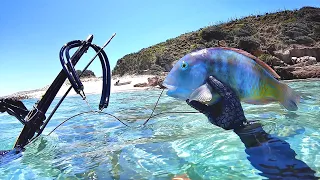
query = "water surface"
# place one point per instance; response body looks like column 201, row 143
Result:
column 97, row 146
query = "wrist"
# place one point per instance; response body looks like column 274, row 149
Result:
column 249, row 127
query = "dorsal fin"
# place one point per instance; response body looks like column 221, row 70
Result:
column 257, row 60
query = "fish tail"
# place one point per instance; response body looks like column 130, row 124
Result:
column 288, row 97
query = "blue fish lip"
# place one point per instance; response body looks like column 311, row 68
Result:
column 172, row 93
column 170, row 87
column 176, row 92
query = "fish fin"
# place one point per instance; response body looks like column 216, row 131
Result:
column 202, row 94
column 259, row 102
column 289, row 98
column 257, row 60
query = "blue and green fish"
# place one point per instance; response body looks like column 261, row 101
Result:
column 253, row 81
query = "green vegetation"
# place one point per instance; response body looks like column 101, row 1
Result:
column 257, row 34
column 86, row 74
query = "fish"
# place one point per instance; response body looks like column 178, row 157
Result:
column 252, row 80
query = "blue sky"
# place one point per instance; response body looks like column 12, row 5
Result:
column 32, row 32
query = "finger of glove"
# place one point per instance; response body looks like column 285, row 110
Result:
column 220, row 88
column 231, row 106
column 198, row 106
column 216, row 85
column 2, row 106
column 224, row 91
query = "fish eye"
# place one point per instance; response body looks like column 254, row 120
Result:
column 184, row 65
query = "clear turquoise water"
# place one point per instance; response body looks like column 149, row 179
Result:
column 97, row 146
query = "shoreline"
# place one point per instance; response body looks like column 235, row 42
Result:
column 91, row 86
column 94, row 86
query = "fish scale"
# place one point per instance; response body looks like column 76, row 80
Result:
column 239, row 76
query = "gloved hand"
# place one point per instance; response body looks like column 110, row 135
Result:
column 13, row 107
column 2, row 106
column 226, row 113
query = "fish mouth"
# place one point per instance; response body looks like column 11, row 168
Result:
column 170, row 87
column 176, row 92
column 171, row 90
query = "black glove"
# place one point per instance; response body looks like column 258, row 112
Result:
column 226, row 113
column 14, row 107
column 3, row 107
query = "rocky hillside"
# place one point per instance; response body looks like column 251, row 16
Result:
column 289, row 41
column 86, row 74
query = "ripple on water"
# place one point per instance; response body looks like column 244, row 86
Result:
column 99, row 147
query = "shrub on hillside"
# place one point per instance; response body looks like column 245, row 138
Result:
column 86, row 74
column 245, row 30
column 304, row 40
column 293, row 30
column 212, row 32
column 248, row 44
column 164, row 60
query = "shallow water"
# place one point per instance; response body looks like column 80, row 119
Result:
column 95, row 146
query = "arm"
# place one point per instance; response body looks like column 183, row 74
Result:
column 270, row 155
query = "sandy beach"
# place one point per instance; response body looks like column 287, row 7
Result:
column 92, row 86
